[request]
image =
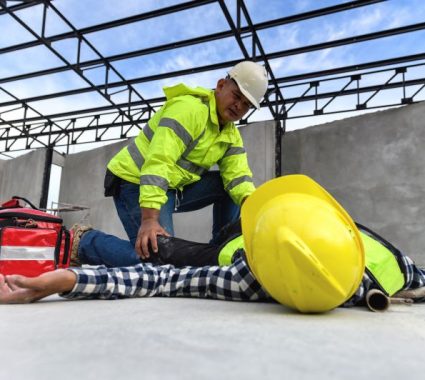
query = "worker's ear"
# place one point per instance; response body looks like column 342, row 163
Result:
column 220, row 84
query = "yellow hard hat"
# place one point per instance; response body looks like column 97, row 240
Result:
column 301, row 245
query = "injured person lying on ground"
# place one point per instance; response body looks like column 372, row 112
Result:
column 298, row 247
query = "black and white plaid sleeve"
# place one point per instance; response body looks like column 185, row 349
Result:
column 234, row 282
column 414, row 276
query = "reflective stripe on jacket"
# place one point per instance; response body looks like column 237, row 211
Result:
column 179, row 144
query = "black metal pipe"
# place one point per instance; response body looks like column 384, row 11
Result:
column 361, row 38
column 159, row 99
column 209, row 38
column 69, row 142
column 46, row 178
column 77, row 71
column 325, row 95
column 18, row 7
column 291, row 100
column 287, row 79
column 278, row 148
column 351, row 68
column 184, row 6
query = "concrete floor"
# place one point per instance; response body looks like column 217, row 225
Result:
column 205, row 339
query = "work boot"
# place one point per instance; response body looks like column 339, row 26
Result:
column 77, row 230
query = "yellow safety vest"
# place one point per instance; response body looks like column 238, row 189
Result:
column 226, row 253
column 381, row 262
column 181, row 142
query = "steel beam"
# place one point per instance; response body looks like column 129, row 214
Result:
column 184, row 6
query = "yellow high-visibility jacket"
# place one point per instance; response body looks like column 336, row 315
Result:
column 179, row 144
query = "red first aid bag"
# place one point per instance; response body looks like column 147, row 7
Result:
column 31, row 241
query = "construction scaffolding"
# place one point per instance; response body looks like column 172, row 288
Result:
column 124, row 108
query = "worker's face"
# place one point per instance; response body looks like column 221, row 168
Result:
column 231, row 103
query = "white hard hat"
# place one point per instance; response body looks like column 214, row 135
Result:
column 251, row 79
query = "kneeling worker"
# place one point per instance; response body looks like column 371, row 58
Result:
column 165, row 169
column 302, row 249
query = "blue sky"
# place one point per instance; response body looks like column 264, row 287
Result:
column 192, row 23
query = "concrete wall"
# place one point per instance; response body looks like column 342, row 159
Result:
column 374, row 165
column 2, row 166
column 82, row 184
column 23, row 176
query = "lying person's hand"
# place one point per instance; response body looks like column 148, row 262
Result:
column 21, row 289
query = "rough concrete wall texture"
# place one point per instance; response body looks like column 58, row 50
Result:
column 82, row 184
column 23, row 176
column 373, row 165
column 2, row 166
column 259, row 140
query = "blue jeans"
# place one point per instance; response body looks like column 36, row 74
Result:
column 208, row 190
column 98, row 248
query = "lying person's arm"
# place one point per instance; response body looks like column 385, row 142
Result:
column 21, row 289
column 235, row 282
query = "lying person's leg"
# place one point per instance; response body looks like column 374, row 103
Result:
column 97, row 248
column 235, row 282
column 181, row 253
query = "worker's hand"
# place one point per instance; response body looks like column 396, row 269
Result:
column 147, row 234
column 21, row 289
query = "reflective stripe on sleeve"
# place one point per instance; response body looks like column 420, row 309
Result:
column 147, row 131
column 237, row 181
column 190, row 166
column 135, row 154
column 234, row 150
column 154, row 180
column 177, row 128
column 184, row 163
column 27, row 253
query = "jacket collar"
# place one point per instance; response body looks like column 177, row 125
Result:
column 206, row 95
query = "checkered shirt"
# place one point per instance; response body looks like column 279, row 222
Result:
column 235, row 282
